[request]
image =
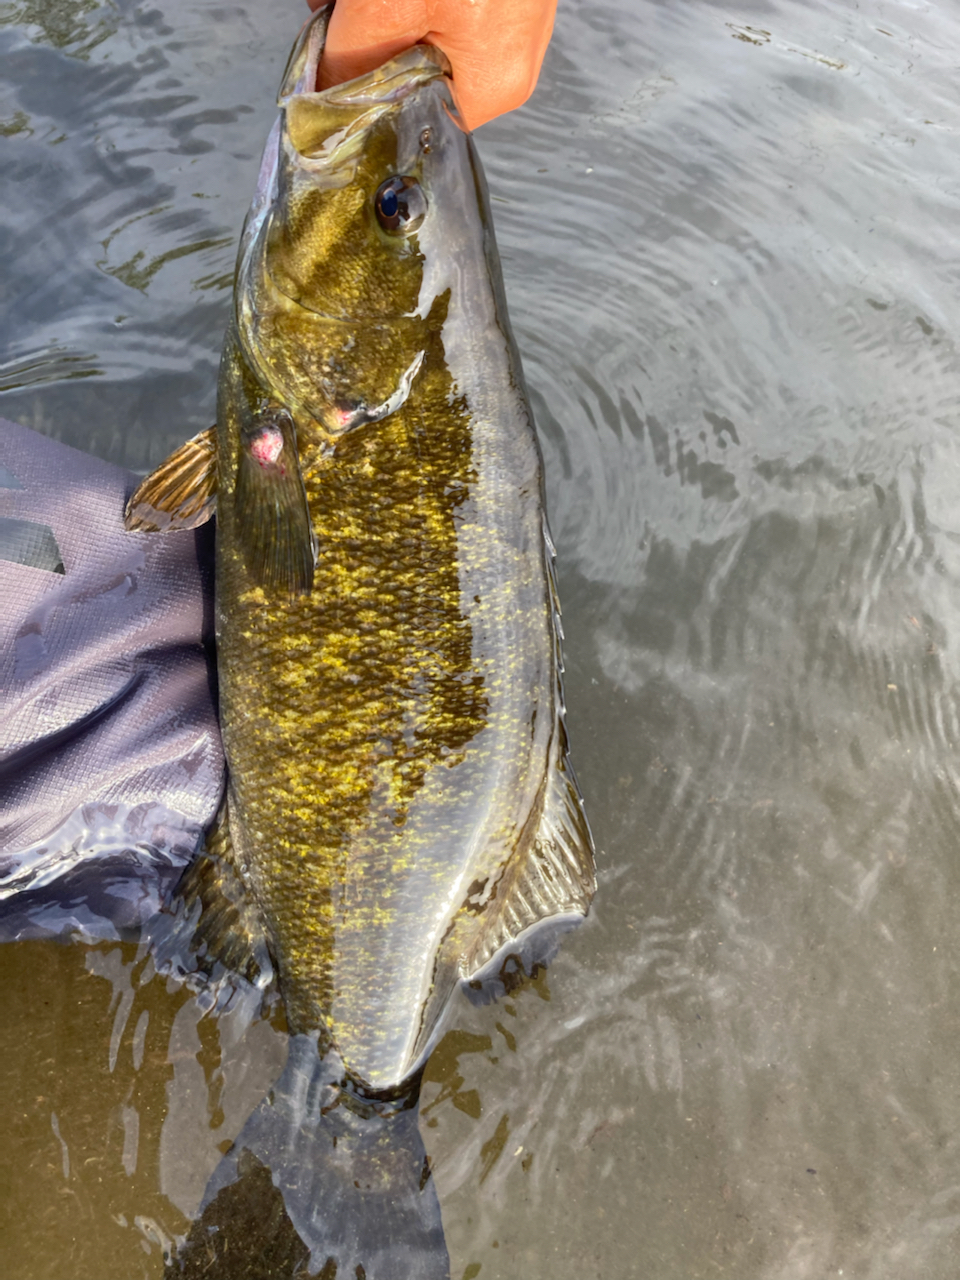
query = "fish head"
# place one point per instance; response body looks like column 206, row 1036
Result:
column 331, row 308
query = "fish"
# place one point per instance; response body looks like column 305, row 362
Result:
column 401, row 815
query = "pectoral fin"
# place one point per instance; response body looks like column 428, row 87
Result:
column 181, row 493
column 272, row 516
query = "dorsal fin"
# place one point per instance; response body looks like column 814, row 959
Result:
column 554, row 877
column 556, row 874
column 181, row 493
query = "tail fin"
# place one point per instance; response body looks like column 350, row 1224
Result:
column 319, row 1184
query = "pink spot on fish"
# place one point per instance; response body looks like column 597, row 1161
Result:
column 267, row 445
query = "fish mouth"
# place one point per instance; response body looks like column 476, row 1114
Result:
column 327, row 127
column 300, row 75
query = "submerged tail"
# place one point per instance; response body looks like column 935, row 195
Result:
column 320, row 1184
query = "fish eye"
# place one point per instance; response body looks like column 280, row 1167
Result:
column 400, row 205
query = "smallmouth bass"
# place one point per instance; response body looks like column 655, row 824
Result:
column 401, row 815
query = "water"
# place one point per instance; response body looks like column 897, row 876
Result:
column 729, row 239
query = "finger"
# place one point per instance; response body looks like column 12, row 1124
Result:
column 363, row 34
column 495, row 47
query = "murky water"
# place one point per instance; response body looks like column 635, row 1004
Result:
column 731, row 249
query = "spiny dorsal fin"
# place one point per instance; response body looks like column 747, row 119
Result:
column 181, row 493
column 273, row 519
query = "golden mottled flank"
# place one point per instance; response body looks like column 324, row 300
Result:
column 400, row 807
column 360, row 687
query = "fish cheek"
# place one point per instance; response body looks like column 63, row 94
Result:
column 311, row 250
column 326, row 250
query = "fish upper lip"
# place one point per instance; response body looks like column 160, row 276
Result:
column 324, row 133
column 414, row 66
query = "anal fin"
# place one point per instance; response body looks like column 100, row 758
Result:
column 216, row 925
column 181, row 493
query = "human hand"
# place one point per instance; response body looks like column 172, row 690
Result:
column 495, row 47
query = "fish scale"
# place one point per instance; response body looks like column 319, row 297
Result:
column 400, row 806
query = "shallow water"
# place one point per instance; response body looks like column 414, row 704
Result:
column 729, row 241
